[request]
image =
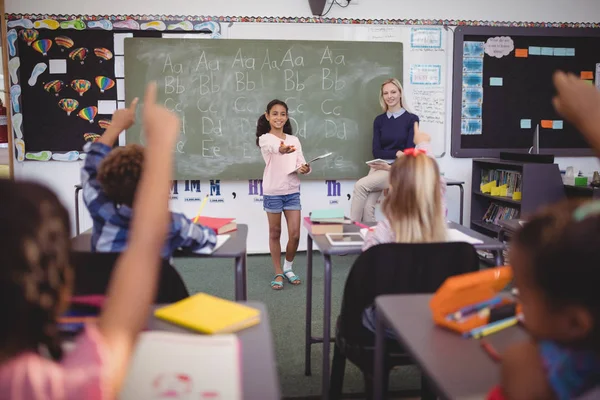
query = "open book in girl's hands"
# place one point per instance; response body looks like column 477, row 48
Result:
column 314, row 159
column 379, row 161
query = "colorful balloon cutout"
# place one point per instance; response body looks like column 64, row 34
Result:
column 103, row 54
column 54, row 87
column 81, row 86
column 68, row 105
column 88, row 113
column 104, row 123
column 79, row 54
column 29, row 35
column 104, row 83
column 91, row 137
column 42, row 46
column 64, row 42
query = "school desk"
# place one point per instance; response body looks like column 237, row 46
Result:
column 456, row 182
column 457, row 368
column 77, row 189
column 259, row 371
column 234, row 247
column 508, row 227
column 328, row 250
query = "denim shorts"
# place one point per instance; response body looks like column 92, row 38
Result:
column 276, row 204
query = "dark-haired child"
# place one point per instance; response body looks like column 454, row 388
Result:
column 283, row 157
column 110, row 177
column 36, row 280
column 555, row 262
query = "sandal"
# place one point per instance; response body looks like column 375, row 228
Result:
column 292, row 278
column 275, row 285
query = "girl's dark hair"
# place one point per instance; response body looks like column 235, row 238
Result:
column 35, row 273
column 564, row 249
column 263, row 126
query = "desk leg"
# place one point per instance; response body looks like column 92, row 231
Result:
column 326, row 327
column 462, row 202
column 244, row 278
column 77, row 210
column 499, row 257
column 379, row 351
column 240, row 278
column 308, row 326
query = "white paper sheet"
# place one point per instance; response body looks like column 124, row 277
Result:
column 58, row 66
column 455, row 235
column 106, row 107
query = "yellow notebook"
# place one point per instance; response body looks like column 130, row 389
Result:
column 209, row 314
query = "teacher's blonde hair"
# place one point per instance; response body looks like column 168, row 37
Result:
column 396, row 83
column 413, row 205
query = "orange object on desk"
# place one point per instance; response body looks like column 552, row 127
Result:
column 464, row 290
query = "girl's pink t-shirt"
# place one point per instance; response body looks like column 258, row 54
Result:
column 279, row 177
column 83, row 373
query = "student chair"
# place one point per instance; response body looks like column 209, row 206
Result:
column 93, row 272
column 392, row 268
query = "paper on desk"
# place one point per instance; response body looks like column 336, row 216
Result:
column 220, row 240
column 455, row 235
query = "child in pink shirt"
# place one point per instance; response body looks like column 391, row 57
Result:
column 36, row 279
column 283, row 157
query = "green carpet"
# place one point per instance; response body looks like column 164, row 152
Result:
column 287, row 313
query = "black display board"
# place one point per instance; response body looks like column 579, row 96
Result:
column 500, row 95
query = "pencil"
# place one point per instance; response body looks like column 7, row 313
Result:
column 490, row 350
column 496, row 327
column 200, row 209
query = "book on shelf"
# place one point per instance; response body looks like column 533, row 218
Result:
column 501, row 177
column 497, row 212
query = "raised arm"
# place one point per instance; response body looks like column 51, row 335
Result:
column 133, row 284
column 410, row 139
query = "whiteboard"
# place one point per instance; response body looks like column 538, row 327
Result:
column 425, row 61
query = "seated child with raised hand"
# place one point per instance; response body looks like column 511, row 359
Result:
column 554, row 258
column 36, row 280
column 110, row 178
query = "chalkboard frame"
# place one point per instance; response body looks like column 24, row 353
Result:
column 460, row 32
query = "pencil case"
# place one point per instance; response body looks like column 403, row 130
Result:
column 466, row 302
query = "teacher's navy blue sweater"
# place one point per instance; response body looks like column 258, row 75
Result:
column 392, row 134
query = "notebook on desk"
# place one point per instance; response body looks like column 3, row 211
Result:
column 184, row 366
column 220, row 225
column 209, row 314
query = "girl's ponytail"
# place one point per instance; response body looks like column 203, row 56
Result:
column 262, row 127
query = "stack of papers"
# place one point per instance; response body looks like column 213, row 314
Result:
column 455, row 235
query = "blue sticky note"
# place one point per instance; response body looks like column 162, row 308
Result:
column 570, row 52
column 525, row 124
column 557, row 124
column 547, row 51
column 535, row 51
column 559, row 51
column 496, row 82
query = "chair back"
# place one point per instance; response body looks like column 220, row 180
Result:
column 399, row 268
column 94, row 270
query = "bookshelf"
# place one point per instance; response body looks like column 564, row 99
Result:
column 540, row 184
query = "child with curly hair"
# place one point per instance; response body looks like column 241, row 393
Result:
column 110, row 178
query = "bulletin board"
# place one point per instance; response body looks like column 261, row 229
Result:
column 503, row 88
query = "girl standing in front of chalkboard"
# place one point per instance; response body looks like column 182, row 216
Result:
column 284, row 160
column 393, row 132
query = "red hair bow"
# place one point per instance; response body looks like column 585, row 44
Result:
column 414, row 152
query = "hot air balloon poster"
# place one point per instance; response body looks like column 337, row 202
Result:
column 88, row 114
column 104, row 83
column 42, row 46
column 103, row 54
column 80, row 86
column 68, row 105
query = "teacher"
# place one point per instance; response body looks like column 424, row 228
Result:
column 393, row 132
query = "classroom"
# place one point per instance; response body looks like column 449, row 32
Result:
column 327, row 60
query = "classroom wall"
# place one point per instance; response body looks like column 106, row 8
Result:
column 63, row 176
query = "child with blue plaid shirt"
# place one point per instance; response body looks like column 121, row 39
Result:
column 109, row 179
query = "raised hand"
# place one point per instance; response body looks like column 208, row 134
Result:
column 420, row 136
column 160, row 124
column 579, row 103
column 124, row 118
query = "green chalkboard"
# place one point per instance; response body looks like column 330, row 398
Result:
column 221, row 86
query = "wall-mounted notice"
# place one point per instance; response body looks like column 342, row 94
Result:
column 425, row 74
column 500, row 46
column 429, row 103
column 426, row 38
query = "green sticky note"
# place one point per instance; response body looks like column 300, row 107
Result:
column 557, row 124
column 525, row 124
column 559, row 51
column 496, row 82
column 570, row 52
column 547, row 51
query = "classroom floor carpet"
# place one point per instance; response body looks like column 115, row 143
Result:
column 287, row 313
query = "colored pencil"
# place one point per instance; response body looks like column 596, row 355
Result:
column 489, row 349
column 496, row 327
column 201, row 207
